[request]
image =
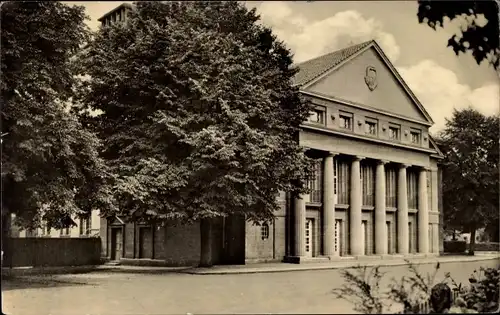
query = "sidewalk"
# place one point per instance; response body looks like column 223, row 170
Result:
column 338, row 264
column 252, row 267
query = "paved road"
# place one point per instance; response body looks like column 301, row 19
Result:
column 108, row 293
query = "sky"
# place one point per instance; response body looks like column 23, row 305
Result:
column 441, row 80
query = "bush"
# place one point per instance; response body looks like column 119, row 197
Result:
column 455, row 246
column 483, row 293
column 362, row 288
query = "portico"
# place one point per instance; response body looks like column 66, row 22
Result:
column 356, row 209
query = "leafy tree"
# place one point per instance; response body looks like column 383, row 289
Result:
column 199, row 116
column 470, row 171
column 481, row 40
column 51, row 168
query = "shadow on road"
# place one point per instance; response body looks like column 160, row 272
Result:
column 20, row 283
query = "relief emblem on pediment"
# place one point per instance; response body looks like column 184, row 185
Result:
column 371, row 78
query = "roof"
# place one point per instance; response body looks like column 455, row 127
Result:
column 433, row 145
column 121, row 6
column 311, row 69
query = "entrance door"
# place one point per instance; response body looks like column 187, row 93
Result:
column 363, row 236
column 410, row 238
column 338, row 237
column 309, row 237
column 389, row 237
column 116, row 243
column 145, row 242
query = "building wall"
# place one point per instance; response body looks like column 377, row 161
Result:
column 256, row 246
column 174, row 244
column 95, row 223
column 182, row 244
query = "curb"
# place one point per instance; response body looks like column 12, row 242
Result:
column 332, row 266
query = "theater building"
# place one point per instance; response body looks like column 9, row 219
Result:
column 376, row 190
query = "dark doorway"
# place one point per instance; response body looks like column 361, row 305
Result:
column 233, row 248
column 116, row 243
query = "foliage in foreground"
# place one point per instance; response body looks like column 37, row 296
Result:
column 481, row 40
column 51, row 168
column 363, row 288
column 199, row 116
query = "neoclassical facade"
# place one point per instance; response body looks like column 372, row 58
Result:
column 377, row 186
column 376, row 190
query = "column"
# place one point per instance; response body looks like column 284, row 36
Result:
column 423, row 213
column 403, row 233
column 355, row 209
column 300, row 226
column 380, row 210
column 328, row 206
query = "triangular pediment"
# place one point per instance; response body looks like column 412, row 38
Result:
column 368, row 78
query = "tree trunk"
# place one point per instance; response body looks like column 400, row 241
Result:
column 454, row 235
column 206, row 243
column 472, row 241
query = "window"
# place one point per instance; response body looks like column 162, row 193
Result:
column 394, row 132
column 345, row 120
column 344, row 179
column 415, row 137
column 429, row 190
column 412, row 189
column 317, row 116
column 315, row 184
column 335, row 178
column 391, row 188
column 371, row 127
column 368, row 184
column 84, row 225
column 264, row 231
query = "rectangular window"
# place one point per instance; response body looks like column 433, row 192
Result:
column 394, row 131
column 391, row 187
column 412, row 189
column 335, row 178
column 344, row 180
column 371, row 127
column 389, row 237
column 85, row 226
column 415, row 136
column 345, row 119
column 368, row 185
column 264, row 231
column 317, row 116
column 429, row 190
column 315, row 184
